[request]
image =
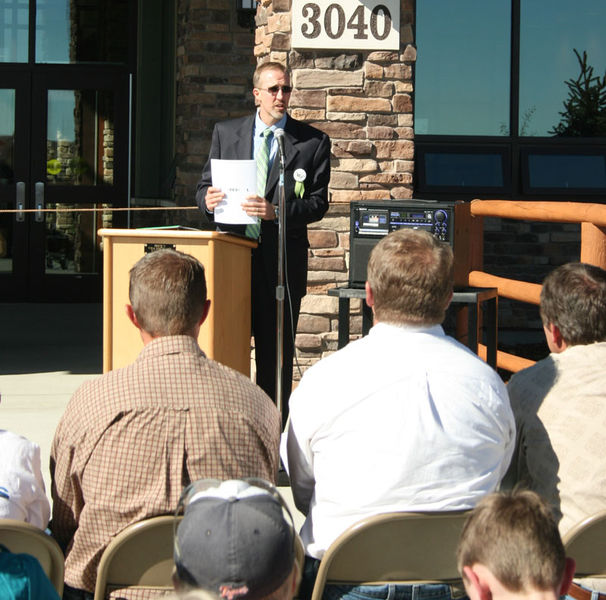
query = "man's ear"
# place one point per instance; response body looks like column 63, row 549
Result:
column 132, row 317
column 196, row 332
column 205, row 311
column 556, row 335
column 296, row 580
column 476, row 587
column 449, row 299
column 554, row 338
column 370, row 297
column 569, row 570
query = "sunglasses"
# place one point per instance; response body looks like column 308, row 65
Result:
column 274, row 89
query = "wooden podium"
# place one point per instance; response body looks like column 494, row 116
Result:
column 224, row 336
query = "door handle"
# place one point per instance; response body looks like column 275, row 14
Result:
column 39, row 201
column 20, row 202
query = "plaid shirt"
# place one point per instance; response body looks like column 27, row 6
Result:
column 130, row 441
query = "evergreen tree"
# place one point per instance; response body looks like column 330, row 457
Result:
column 584, row 113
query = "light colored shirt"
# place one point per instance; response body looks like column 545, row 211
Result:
column 22, row 494
column 560, row 410
column 131, row 440
column 402, row 419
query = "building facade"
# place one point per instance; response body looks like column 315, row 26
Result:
column 107, row 105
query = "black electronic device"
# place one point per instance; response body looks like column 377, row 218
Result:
column 370, row 221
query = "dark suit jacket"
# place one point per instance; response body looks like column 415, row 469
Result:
column 305, row 148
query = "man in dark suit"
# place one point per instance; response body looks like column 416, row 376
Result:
column 306, row 177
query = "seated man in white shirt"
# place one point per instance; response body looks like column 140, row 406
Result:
column 22, row 493
column 405, row 419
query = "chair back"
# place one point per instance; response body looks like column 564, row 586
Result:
column 139, row 558
column 23, row 538
column 394, row 548
column 586, row 543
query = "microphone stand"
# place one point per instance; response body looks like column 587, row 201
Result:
column 280, row 284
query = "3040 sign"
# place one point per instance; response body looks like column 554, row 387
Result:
column 348, row 24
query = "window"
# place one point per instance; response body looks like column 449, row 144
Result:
column 482, row 168
column 511, row 87
column 462, row 77
column 552, row 42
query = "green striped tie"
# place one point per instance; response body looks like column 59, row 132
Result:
column 253, row 230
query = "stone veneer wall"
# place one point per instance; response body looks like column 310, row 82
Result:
column 362, row 100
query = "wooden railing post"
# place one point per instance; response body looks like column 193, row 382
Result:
column 593, row 245
column 468, row 243
column 469, row 255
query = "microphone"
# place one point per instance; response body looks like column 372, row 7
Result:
column 279, row 135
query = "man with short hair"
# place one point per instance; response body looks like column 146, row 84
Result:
column 306, row 177
column 130, row 440
column 510, row 547
column 560, row 402
column 404, row 419
column 234, row 541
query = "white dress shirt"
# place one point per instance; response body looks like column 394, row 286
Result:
column 22, row 494
column 404, row 419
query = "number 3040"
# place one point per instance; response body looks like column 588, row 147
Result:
column 334, row 21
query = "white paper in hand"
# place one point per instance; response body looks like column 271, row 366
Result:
column 237, row 179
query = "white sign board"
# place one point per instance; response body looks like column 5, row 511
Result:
column 348, row 24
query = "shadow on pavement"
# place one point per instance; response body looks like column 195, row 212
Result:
column 43, row 338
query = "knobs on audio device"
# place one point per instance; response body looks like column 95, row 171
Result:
column 440, row 216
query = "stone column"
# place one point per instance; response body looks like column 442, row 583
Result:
column 362, row 100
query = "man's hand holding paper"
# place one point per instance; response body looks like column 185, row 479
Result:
column 234, row 185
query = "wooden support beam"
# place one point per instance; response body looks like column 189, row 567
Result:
column 593, row 245
column 508, row 288
column 553, row 212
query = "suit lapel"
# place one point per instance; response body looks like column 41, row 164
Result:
column 240, row 145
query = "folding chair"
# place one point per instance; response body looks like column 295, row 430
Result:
column 21, row 537
column 138, row 561
column 394, row 548
column 586, row 543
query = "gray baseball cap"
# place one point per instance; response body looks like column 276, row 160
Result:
column 234, row 539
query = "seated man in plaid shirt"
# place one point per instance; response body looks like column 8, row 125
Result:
column 131, row 439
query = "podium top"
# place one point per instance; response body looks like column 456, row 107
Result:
column 177, row 234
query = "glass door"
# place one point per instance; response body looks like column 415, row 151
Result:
column 78, row 173
column 64, row 122
column 15, row 95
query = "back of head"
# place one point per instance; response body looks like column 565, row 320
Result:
column 410, row 273
column 574, row 299
column 168, row 292
column 234, row 540
column 514, row 535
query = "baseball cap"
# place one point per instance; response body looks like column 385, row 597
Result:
column 234, row 539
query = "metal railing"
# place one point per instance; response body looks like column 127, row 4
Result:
column 469, row 244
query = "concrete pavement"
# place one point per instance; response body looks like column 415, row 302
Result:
column 46, row 352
